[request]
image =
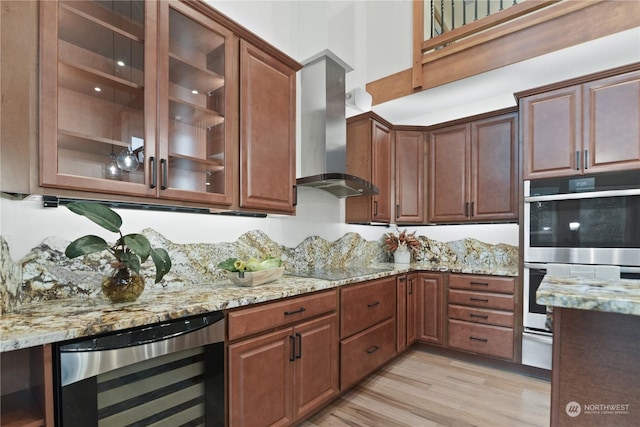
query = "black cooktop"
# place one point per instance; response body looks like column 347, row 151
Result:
column 337, row 273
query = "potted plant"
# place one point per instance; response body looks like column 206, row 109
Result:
column 130, row 251
column 402, row 245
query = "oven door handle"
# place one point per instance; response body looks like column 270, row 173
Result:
column 586, row 195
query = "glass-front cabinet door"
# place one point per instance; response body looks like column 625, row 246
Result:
column 195, row 155
column 97, row 89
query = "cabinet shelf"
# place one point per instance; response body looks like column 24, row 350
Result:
column 70, row 13
column 84, row 80
column 194, row 164
column 21, row 411
column 77, row 141
column 193, row 115
column 193, row 77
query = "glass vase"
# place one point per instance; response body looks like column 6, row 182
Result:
column 123, row 285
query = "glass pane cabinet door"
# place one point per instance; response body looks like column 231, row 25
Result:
column 194, row 141
column 94, row 124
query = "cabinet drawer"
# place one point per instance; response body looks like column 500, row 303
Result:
column 481, row 299
column 505, row 285
column 365, row 352
column 252, row 320
column 490, row 340
column 365, row 305
column 481, row 315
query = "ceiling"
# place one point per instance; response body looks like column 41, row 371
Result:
column 494, row 90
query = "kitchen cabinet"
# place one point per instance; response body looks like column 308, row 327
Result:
column 406, row 320
column 410, row 196
column 282, row 360
column 367, row 328
column 430, row 308
column 582, row 128
column 473, row 171
column 27, row 387
column 481, row 314
column 172, row 94
column 369, row 156
column 267, row 131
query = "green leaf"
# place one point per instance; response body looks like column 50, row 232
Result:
column 162, row 261
column 139, row 245
column 85, row 245
column 100, row 214
column 227, row 264
column 131, row 260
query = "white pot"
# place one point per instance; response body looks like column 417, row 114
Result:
column 402, row 256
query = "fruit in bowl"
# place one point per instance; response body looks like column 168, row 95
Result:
column 252, row 272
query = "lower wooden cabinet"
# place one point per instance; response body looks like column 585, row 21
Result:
column 283, row 375
column 430, row 307
column 406, row 320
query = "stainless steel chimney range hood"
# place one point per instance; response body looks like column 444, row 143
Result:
column 324, row 129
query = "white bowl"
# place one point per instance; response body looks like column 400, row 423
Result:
column 255, row 278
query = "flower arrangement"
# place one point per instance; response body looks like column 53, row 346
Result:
column 397, row 239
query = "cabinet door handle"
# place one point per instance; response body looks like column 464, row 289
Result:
column 290, row 313
column 479, row 299
column 586, row 159
column 481, row 316
column 375, row 208
column 373, row 349
column 299, row 337
column 479, row 283
column 163, row 165
column 397, row 211
column 295, row 195
column 472, row 208
column 292, row 341
column 410, row 286
column 472, row 338
column 577, row 160
column 373, row 304
column 466, row 209
column 154, row 172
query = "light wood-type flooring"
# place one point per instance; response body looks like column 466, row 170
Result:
column 421, row 389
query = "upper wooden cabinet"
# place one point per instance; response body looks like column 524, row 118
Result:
column 586, row 128
column 369, row 150
column 410, row 196
column 163, row 100
column 473, row 171
column 267, row 131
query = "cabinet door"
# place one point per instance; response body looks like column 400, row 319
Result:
column 430, row 293
column 316, row 366
column 412, row 308
column 98, row 96
column 381, row 146
column 409, row 177
column 267, row 132
column 195, row 156
column 449, row 174
column 401, row 313
column 359, row 163
column 494, row 166
column 552, row 133
column 260, row 372
column 611, row 132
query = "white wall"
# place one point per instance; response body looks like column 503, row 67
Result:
column 373, row 37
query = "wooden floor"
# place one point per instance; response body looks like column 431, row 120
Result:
column 421, row 389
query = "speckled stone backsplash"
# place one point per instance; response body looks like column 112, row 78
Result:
column 46, row 273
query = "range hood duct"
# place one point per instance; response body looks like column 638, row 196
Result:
column 324, row 129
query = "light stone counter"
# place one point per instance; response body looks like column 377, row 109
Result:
column 588, row 293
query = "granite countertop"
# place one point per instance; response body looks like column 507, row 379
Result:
column 588, row 293
column 59, row 320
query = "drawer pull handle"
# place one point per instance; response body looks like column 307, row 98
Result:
column 290, row 313
column 479, row 284
column 481, row 316
column 479, row 299
column 373, row 304
column 471, row 337
column 373, row 349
